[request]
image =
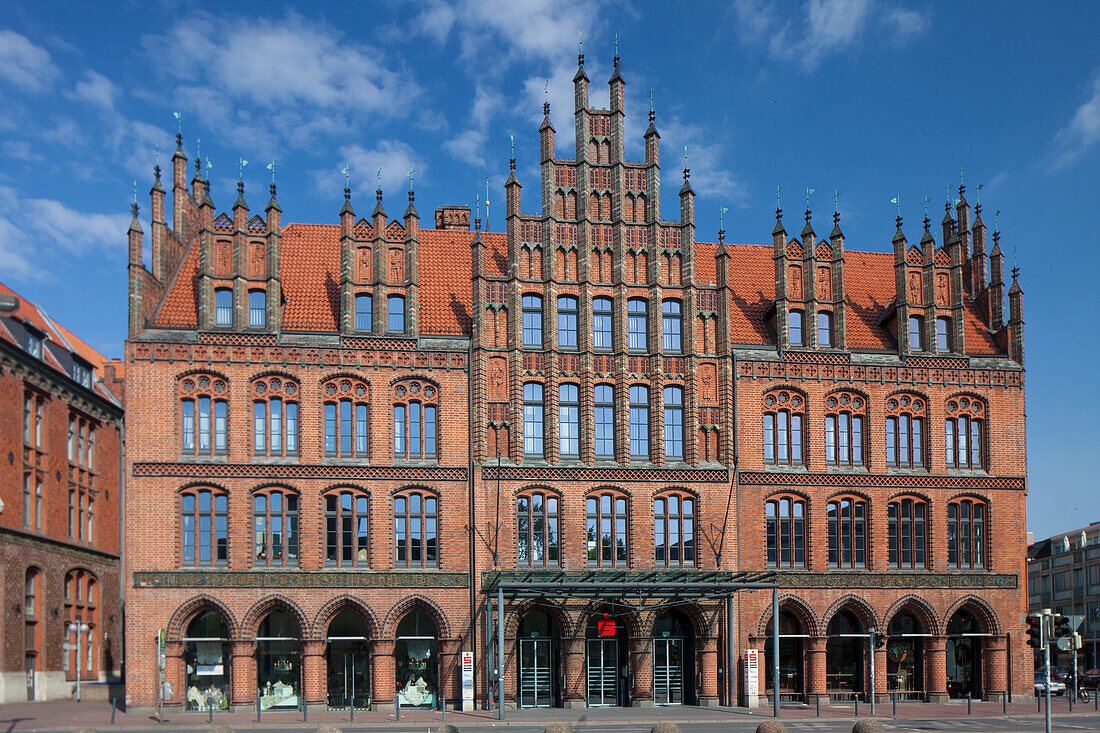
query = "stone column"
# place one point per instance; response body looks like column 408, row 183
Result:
column 994, row 674
column 314, row 674
column 242, row 674
column 935, row 655
column 572, row 662
column 382, row 674
column 641, row 670
column 814, row 677
column 708, row 671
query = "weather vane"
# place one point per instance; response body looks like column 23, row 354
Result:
column 722, row 216
column 198, row 148
column 379, row 177
column 777, row 190
column 156, row 155
column 836, row 200
column 477, row 204
column 948, row 189
column 962, row 171
column 410, row 175
column 924, row 205
column 896, row 201
column 651, row 99
column 240, row 169
column 580, row 42
column 179, row 122
column 685, row 157
column 546, row 90
column 980, row 187
column 996, row 214
column 809, row 193
column 346, row 170
column 512, row 139
column 209, row 165
column 135, row 192
column 616, row 45
column 271, row 167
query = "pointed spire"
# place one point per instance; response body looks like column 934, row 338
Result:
column 580, row 75
column 836, row 226
column 156, row 180
column 808, row 230
column 927, row 237
column 240, row 202
column 347, row 208
column 272, row 203
column 179, row 142
column 410, row 210
column 996, row 251
column 1015, row 282
column 898, row 235
column 947, row 219
column 135, row 224
column 378, row 208
column 206, row 200
column 615, row 75
column 686, row 188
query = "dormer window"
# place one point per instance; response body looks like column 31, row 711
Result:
column 82, row 374
column 34, row 344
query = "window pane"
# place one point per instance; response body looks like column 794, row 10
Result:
column 259, row 424
column 204, row 424
column 429, row 431
column 187, row 426
column 361, row 430
column 330, row 429
column 601, row 323
column 399, row 430
column 532, row 320
column 395, row 317
column 824, row 329
column 363, row 312
column 567, row 322
column 257, row 308
column 345, row 427
column 794, row 328
column 636, row 324
column 223, row 307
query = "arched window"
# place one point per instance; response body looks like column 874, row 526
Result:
column 533, row 427
column 415, row 426
column 415, row 530
column 347, row 528
column 905, row 415
column 364, row 312
column 674, row 529
column 639, row 422
column 257, row 308
column 966, row 534
column 347, row 417
column 604, row 395
column 784, row 421
column 674, row 422
column 601, row 324
column 81, row 442
column 796, row 332
column 395, row 314
column 537, row 540
column 786, row 530
column 963, row 431
column 672, row 326
column 824, row 328
column 569, row 442
column 567, row 322
column 907, row 535
column 275, row 527
column 637, row 324
column 532, row 320
column 606, row 529
column 943, row 334
column 847, row 532
column 916, row 333
column 82, row 625
column 845, row 418
column 203, row 527
column 203, row 415
column 223, row 307
column 275, row 416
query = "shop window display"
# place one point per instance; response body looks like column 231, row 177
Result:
column 417, row 657
column 206, row 660
column 278, row 661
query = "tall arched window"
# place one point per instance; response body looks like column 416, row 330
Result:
column 204, row 536
column 606, row 529
column 537, row 540
column 672, row 326
column 347, row 528
column 674, row 529
column 532, row 320
column 905, row 420
column 637, row 324
column 569, row 439
column 33, row 630
column 847, row 517
column 257, row 308
column 415, row 426
column 786, row 532
column 907, row 535
column 364, row 312
column 567, row 322
column 82, row 618
column 203, row 415
column 639, row 422
column 275, row 528
column 604, row 422
column 784, row 421
column 347, row 417
column 674, row 422
column 963, row 431
column 966, row 533
column 275, row 416
column 223, row 307
column 601, row 324
column 533, row 426
column 845, row 418
column 415, row 529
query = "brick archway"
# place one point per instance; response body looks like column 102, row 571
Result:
column 186, row 613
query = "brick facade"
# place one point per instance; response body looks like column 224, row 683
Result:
column 549, row 421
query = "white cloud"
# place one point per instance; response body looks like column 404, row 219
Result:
column 24, row 64
column 436, row 20
column 1082, row 132
column 469, row 145
column 823, row 27
column 394, row 157
column 709, row 175
column 95, row 89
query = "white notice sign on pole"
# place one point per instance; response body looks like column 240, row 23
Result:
column 467, row 680
column 752, row 677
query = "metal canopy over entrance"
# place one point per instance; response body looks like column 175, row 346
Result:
column 620, row 587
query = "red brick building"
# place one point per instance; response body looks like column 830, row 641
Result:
column 345, row 439
column 60, row 494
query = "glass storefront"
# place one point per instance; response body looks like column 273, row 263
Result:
column 673, row 660
column 964, row 655
column 416, row 654
column 790, row 657
column 905, row 657
column 844, row 655
column 606, row 660
column 539, row 670
column 206, row 663
column 279, row 662
column 348, row 662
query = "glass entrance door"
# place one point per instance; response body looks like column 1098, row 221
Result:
column 348, row 683
column 603, row 672
column 535, row 670
column 668, row 671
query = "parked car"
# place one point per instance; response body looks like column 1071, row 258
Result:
column 1062, row 674
column 1091, row 678
column 1056, row 688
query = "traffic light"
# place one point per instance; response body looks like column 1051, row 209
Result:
column 880, row 640
column 1061, row 626
column 1035, row 632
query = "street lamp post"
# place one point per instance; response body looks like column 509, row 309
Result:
column 78, row 629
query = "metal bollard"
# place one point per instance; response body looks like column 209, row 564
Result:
column 1038, row 703
column 856, row 698
column 397, row 703
column 305, row 710
column 443, row 704
column 114, row 706
column 351, row 711
column 1096, row 698
column 818, row 705
column 894, row 702
column 1071, row 693
column 1004, row 705
column 209, row 711
column 969, row 697
column 257, row 707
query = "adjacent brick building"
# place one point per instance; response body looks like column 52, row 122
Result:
column 346, row 438
column 60, row 494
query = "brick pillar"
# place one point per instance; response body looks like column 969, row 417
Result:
column 935, row 655
column 174, row 674
column 815, row 669
column 242, row 674
column 314, row 675
column 994, row 675
column 881, row 694
column 572, row 662
column 641, row 670
column 382, row 674
column 707, row 657
column 448, row 682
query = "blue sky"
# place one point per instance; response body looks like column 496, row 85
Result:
column 877, row 99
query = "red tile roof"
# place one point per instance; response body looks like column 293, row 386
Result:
column 311, row 281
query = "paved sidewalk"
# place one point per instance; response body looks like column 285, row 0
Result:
column 65, row 716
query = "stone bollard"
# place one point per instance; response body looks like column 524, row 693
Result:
column 771, row 726
column 446, row 728
column 665, row 727
column 868, row 726
column 558, row 728
column 329, row 729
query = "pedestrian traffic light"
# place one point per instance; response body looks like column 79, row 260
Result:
column 880, row 640
column 1061, row 626
column 1035, row 632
